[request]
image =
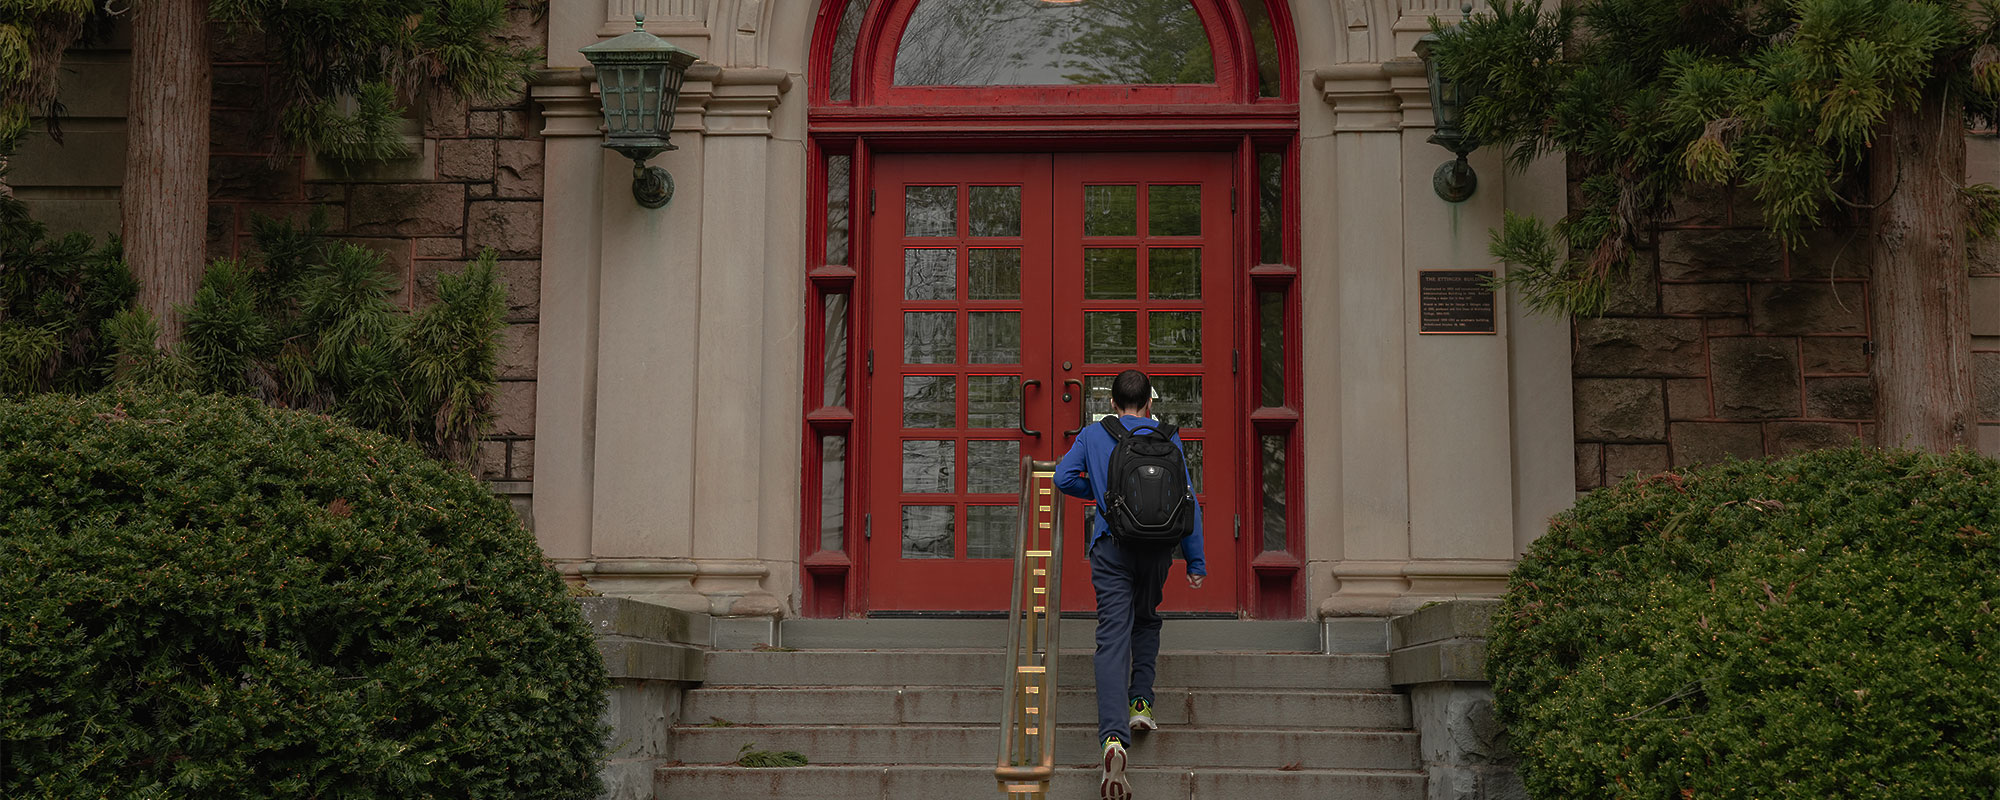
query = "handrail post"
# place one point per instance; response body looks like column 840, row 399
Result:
column 1028, row 725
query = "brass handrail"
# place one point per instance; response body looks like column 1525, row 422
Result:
column 1028, row 731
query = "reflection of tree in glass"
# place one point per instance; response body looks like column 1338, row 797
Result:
column 1025, row 43
column 1139, row 41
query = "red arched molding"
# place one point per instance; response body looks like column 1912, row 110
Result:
column 881, row 31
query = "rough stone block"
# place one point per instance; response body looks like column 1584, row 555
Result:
column 236, row 87
column 1986, row 384
column 1625, row 347
column 1834, row 354
column 406, row 209
column 514, row 409
column 1840, row 398
column 524, row 289
column 483, row 123
column 1983, row 257
column 465, row 159
column 239, row 131
column 445, row 115
column 221, row 230
column 1832, row 253
column 1589, row 466
column 1703, row 299
column 441, row 247
column 517, row 351
column 1636, row 291
column 492, row 460
column 1729, row 326
column 253, row 177
column 1696, row 443
column 521, row 460
column 1806, row 307
column 1719, row 255
column 517, row 168
column 512, row 228
column 1620, row 410
column 1700, row 205
column 1755, row 378
column 1687, row 398
column 1788, row 438
column 1626, row 460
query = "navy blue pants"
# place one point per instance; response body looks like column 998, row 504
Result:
column 1128, row 583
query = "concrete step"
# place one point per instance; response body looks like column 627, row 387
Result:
column 1071, row 783
column 986, row 668
column 1233, row 635
column 982, row 705
column 1075, row 744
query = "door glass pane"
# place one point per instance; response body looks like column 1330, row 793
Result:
column 1096, row 398
column 987, row 43
column 996, row 210
column 927, row 531
column 1270, row 208
column 1271, row 344
column 1111, row 337
column 1173, row 210
column 995, row 274
column 995, row 337
column 837, row 171
column 833, row 354
column 832, row 492
column 930, row 273
column 1110, row 210
column 990, row 531
column 930, row 337
column 993, row 401
column 841, row 81
column 993, row 467
column 1173, row 273
column 1175, row 337
column 1180, row 399
column 1274, row 491
column 1193, row 448
column 929, row 402
column 927, row 465
column 1110, row 273
column 930, row 211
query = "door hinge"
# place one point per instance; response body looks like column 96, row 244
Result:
column 1239, row 526
column 1232, row 199
column 871, row 361
column 1234, row 357
column 867, row 527
column 871, row 201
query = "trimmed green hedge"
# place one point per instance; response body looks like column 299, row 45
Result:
column 1814, row 627
column 207, row 597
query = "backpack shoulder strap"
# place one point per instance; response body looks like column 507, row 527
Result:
column 1114, row 427
column 1166, row 429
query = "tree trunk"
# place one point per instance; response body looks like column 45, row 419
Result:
column 165, row 203
column 1921, row 315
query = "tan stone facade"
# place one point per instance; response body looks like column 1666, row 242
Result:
column 652, row 404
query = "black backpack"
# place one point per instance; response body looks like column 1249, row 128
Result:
column 1146, row 497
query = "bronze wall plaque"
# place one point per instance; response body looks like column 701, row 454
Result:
column 1454, row 301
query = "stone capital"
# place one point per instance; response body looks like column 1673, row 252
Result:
column 1374, row 97
column 568, row 97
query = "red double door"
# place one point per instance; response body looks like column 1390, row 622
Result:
column 1005, row 292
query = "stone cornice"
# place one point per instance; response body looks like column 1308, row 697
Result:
column 1374, row 97
column 714, row 101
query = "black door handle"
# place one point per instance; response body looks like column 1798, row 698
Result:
column 1024, row 406
column 1082, row 412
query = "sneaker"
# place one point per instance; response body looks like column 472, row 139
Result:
column 1142, row 716
column 1114, row 785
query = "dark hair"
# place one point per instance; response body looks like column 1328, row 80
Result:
column 1130, row 390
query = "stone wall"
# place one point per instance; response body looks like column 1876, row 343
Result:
column 1727, row 343
column 473, row 180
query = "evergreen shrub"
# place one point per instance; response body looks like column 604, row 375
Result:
column 1814, row 627
column 209, row 597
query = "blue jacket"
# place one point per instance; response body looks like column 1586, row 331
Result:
column 1091, row 455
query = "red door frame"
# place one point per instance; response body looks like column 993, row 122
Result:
column 1037, row 119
